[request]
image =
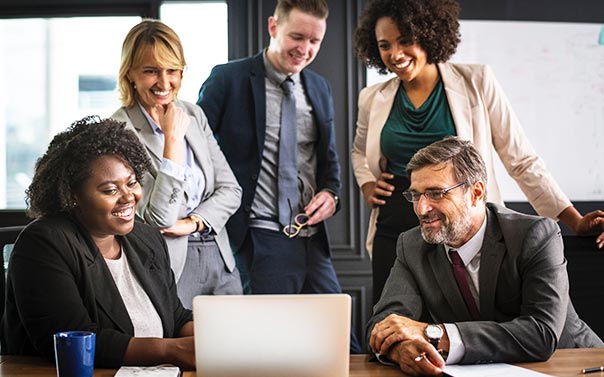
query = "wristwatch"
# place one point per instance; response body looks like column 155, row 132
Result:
column 433, row 332
column 336, row 199
column 197, row 220
column 335, row 196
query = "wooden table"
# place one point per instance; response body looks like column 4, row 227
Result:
column 563, row 363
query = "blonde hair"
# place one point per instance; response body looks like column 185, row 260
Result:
column 165, row 47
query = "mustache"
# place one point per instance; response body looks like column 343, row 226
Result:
column 431, row 216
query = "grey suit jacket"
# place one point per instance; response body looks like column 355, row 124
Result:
column 165, row 198
column 525, row 309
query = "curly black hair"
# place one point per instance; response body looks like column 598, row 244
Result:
column 433, row 24
column 65, row 166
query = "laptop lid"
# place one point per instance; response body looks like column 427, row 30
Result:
column 272, row 335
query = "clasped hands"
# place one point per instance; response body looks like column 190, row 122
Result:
column 402, row 341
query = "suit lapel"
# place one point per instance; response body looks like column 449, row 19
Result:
column 107, row 295
column 491, row 256
column 446, row 280
column 380, row 110
column 199, row 145
column 145, row 132
column 259, row 97
column 143, row 267
column 459, row 103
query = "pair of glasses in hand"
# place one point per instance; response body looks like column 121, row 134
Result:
column 299, row 221
column 293, row 229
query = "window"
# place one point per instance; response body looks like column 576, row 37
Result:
column 62, row 69
column 203, row 31
column 58, row 70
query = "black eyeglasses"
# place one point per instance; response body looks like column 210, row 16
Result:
column 298, row 222
column 434, row 195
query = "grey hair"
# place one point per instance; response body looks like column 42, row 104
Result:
column 468, row 166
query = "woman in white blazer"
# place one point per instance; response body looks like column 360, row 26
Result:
column 190, row 191
column 427, row 100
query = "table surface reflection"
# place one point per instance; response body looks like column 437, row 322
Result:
column 563, row 363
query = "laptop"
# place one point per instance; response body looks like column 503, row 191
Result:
column 272, row 335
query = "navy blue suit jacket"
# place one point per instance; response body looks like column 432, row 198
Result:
column 234, row 100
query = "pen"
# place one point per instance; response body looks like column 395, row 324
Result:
column 592, row 370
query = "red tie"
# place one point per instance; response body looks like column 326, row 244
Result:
column 462, row 282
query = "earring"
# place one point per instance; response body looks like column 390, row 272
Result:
column 133, row 85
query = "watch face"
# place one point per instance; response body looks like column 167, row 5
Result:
column 434, row 332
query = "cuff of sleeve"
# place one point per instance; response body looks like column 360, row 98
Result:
column 208, row 228
column 335, row 197
column 172, row 169
column 456, row 348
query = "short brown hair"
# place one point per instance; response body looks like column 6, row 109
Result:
column 317, row 8
column 166, row 47
column 468, row 166
column 433, row 24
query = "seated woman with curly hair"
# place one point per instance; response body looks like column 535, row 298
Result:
column 86, row 264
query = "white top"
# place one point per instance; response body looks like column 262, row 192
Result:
column 144, row 317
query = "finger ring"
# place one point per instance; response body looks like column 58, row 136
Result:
column 420, row 356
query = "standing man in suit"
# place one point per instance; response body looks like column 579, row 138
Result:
column 242, row 100
column 278, row 234
column 475, row 282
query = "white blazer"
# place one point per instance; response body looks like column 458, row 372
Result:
column 483, row 115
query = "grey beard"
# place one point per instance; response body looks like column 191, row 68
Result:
column 450, row 232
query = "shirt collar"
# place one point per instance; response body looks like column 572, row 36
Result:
column 469, row 250
column 276, row 76
column 156, row 128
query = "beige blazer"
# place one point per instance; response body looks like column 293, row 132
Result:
column 483, row 115
column 165, row 197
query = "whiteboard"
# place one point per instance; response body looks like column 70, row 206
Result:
column 553, row 74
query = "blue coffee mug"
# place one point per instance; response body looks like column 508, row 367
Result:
column 74, row 353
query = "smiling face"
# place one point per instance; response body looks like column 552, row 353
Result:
column 154, row 85
column 407, row 60
column 106, row 201
column 455, row 218
column 295, row 41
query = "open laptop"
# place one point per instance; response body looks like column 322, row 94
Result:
column 272, row 335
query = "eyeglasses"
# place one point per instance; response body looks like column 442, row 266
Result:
column 299, row 221
column 434, row 195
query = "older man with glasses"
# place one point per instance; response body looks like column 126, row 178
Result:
column 474, row 282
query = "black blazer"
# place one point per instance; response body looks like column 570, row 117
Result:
column 58, row 281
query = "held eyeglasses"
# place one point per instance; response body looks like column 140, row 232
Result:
column 299, row 221
column 293, row 229
column 433, row 195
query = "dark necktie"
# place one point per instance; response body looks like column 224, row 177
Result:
column 288, row 150
column 459, row 270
